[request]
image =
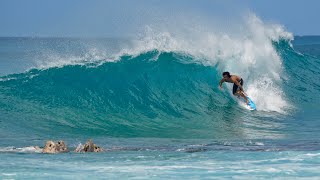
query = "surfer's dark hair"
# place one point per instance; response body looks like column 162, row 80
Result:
column 226, row 73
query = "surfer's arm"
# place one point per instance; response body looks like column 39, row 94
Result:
column 220, row 83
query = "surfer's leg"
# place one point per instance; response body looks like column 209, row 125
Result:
column 234, row 89
column 237, row 94
column 241, row 92
column 244, row 97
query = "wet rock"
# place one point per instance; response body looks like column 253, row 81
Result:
column 55, row 147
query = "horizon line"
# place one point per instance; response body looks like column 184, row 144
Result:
column 104, row 37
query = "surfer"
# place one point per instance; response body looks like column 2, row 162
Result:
column 237, row 89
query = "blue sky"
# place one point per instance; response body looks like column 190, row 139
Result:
column 109, row 18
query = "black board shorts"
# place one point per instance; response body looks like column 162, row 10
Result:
column 235, row 87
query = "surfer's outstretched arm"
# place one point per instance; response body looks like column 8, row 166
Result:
column 220, row 83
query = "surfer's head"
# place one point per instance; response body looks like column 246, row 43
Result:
column 226, row 75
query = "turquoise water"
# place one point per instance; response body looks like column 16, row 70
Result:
column 162, row 163
column 158, row 110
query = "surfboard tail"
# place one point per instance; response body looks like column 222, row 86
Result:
column 251, row 105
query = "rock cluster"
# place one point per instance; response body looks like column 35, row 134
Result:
column 60, row 147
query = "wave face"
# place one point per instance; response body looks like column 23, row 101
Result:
column 167, row 86
column 132, row 97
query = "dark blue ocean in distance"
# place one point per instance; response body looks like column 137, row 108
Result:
column 158, row 111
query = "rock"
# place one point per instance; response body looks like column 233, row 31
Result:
column 55, row 147
column 61, row 146
column 88, row 147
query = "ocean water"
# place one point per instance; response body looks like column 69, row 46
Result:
column 154, row 105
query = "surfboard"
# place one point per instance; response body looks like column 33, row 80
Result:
column 251, row 105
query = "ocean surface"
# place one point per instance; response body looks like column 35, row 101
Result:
column 154, row 105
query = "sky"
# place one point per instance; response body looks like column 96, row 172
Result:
column 122, row 18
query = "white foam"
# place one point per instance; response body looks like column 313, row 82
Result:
column 94, row 56
column 267, row 95
column 29, row 149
